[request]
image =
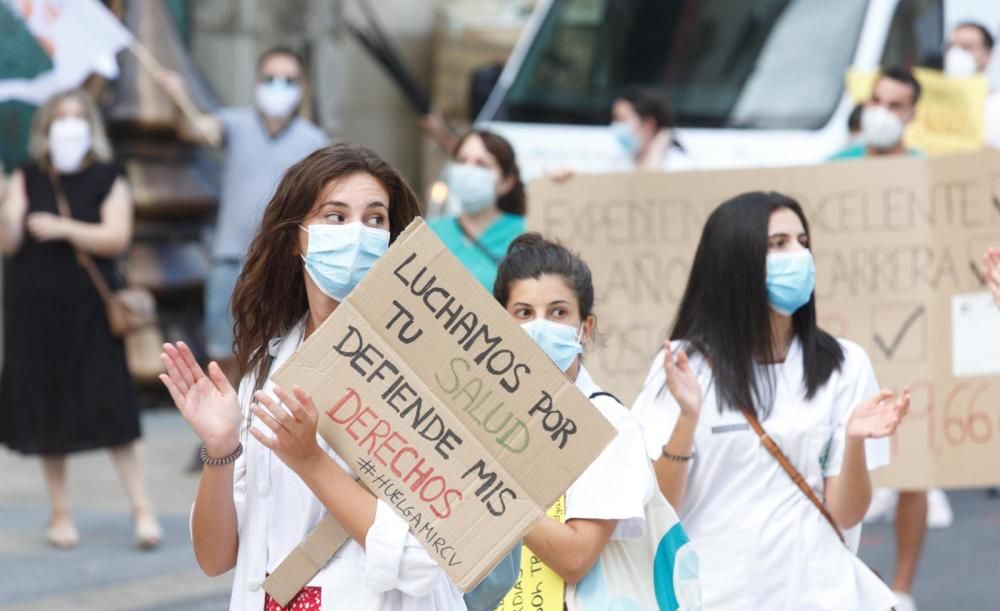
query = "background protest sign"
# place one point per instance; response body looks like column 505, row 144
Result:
column 444, row 407
column 896, row 243
column 950, row 115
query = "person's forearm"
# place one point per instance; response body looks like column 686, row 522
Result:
column 350, row 504
column 563, row 549
column 214, row 527
column 671, row 475
column 194, row 125
column 97, row 238
column 10, row 236
column 849, row 493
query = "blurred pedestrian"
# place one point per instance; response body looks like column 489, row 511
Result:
column 969, row 52
column 484, row 179
column 259, row 144
column 65, row 385
column 643, row 124
column 269, row 479
column 893, row 105
column 745, row 353
column 548, row 290
column 884, row 117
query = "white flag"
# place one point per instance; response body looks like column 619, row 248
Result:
column 81, row 37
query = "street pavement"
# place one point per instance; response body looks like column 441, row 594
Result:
column 107, row 572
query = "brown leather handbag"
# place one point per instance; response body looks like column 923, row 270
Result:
column 131, row 311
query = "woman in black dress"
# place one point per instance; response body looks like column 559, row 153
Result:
column 65, row 386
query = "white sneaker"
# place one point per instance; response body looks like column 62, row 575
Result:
column 939, row 513
column 904, row 602
column 883, row 505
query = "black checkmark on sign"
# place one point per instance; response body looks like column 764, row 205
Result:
column 890, row 348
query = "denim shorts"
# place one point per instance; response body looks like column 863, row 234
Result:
column 218, row 314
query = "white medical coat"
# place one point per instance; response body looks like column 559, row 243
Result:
column 761, row 542
column 276, row 510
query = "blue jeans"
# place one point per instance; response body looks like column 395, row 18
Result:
column 218, row 314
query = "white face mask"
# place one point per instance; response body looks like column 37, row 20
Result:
column 277, row 99
column 474, row 187
column 69, row 143
column 338, row 256
column 882, row 129
column 959, row 63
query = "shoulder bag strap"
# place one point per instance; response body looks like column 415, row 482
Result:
column 790, row 469
column 84, row 259
column 601, row 393
column 479, row 245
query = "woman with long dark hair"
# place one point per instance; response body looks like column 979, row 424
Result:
column 484, row 179
column 745, row 351
column 333, row 214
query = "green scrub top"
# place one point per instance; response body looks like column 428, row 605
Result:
column 482, row 257
column 859, row 151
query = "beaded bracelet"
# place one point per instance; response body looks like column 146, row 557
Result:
column 225, row 460
column 675, row 457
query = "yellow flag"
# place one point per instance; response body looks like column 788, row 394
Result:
column 539, row 587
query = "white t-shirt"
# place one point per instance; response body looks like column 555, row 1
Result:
column 678, row 160
column 761, row 542
column 619, row 483
column 276, row 510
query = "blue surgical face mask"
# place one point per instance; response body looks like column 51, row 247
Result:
column 339, row 256
column 625, row 136
column 474, row 187
column 791, row 280
column 560, row 342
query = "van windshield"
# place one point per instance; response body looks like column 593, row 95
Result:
column 775, row 64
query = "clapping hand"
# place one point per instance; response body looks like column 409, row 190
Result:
column 879, row 416
column 682, row 382
column 293, row 422
column 208, row 402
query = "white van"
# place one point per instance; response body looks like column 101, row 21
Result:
column 751, row 82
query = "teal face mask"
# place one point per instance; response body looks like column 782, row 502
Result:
column 560, row 342
column 625, row 136
column 791, row 280
column 339, row 256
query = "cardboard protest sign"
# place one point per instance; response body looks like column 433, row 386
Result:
column 444, row 407
column 950, row 116
column 896, row 243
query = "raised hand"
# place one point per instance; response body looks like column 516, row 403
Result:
column 879, row 416
column 293, row 422
column 208, row 402
column 991, row 272
column 682, row 381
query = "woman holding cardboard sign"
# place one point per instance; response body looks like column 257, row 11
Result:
column 590, row 546
column 269, row 480
column 749, row 392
